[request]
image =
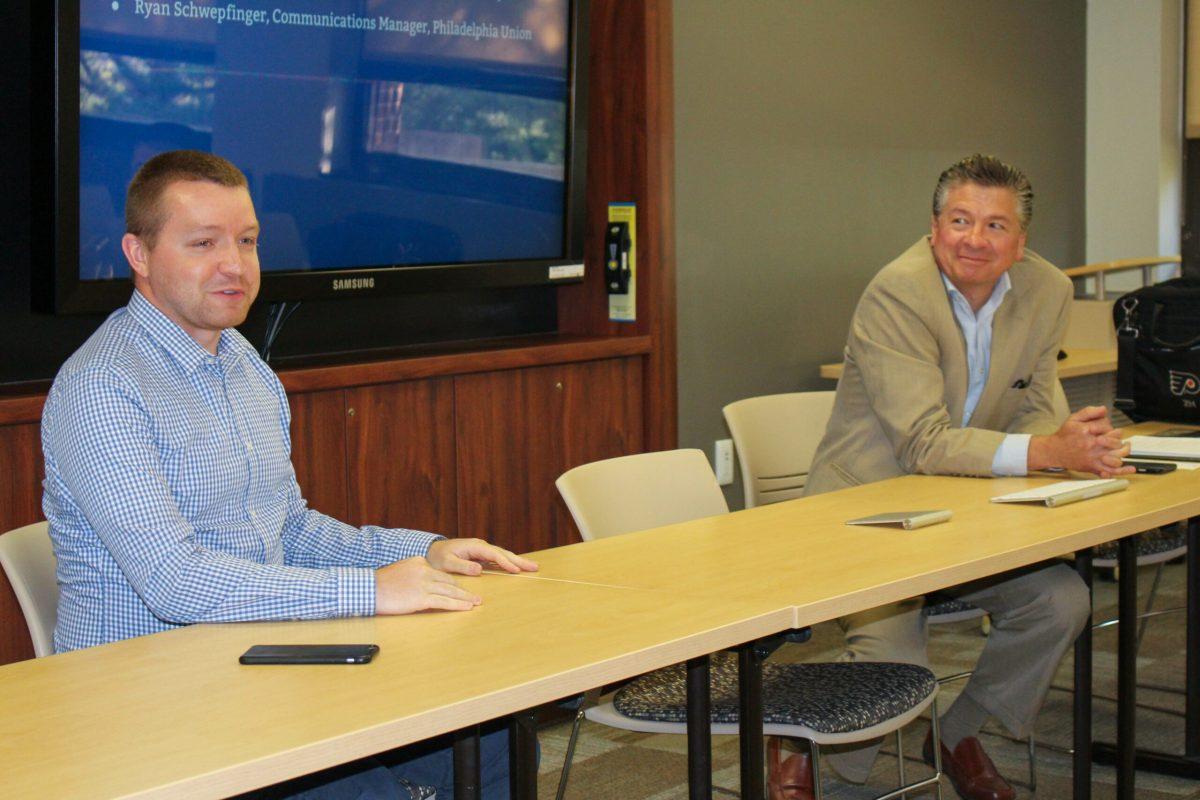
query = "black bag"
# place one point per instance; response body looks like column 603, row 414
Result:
column 1158, row 352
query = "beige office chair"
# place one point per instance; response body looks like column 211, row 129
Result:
column 843, row 702
column 776, row 437
column 28, row 560
column 683, row 489
column 1062, row 409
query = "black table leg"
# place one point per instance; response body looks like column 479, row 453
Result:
column 699, row 730
column 1188, row 764
column 522, row 756
column 466, row 763
column 750, row 719
column 1082, row 759
column 1127, row 612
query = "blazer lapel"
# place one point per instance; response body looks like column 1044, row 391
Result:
column 949, row 337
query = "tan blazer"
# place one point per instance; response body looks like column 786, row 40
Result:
column 900, row 400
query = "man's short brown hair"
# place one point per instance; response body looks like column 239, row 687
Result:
column 144, row 215
column 987, row 171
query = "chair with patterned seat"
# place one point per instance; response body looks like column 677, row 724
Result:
column 825, row 704
column 943, row 611
column 776, row 438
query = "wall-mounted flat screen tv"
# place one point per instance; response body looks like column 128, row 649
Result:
column 390, row 145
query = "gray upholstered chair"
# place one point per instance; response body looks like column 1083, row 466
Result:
column 826, row 704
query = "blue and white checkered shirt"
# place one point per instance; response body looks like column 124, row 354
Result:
column 171, row 495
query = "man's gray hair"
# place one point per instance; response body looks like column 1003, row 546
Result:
column 987, row 171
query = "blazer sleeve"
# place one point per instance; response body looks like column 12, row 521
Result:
column 898, row 356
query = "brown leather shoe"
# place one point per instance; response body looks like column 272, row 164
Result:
column 789, row 775
column 970, row 770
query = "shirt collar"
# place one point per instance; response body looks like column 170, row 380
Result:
column 186, row 351
column 1002, row 287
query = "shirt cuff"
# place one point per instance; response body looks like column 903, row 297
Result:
column 430, row 538
column 355, row 591
column 397, row 544
column 1012, row 456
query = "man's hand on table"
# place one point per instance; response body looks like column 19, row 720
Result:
column 466, row 557
column 420, row 584
column 1086, row 442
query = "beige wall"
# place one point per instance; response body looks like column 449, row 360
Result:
column 1134, row 162
column 808, row 139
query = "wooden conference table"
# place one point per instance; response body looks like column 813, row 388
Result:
column 174, row 714
column 803, row 552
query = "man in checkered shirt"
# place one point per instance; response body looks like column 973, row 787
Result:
column 169, row 485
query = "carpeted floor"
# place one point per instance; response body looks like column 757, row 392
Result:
column 619, row 765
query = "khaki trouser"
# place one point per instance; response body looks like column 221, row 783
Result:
column 1036, row 614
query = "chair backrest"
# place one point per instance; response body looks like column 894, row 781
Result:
column 28, row 560
column 632, row 493
column 776, row 437
column 1062, row 408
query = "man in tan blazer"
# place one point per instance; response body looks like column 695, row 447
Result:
column 950, row 368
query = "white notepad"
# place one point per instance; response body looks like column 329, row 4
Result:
column 909, row 520
column 1168, row 448
column 1063, row 492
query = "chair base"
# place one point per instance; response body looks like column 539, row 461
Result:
column 904, row 788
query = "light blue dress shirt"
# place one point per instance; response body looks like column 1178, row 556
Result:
column 1012, row 456
column 171, row 495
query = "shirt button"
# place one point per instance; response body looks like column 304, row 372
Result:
column 253, row 515
column 249, row 447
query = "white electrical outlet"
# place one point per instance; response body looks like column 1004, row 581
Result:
column 723, row 459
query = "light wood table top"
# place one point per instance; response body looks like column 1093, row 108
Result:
column 802, row 550
column 175, row 715
column 1080, row 361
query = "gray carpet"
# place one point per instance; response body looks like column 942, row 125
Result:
column 618, row 765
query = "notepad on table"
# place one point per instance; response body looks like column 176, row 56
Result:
column 908, row 520
column 1063, row 492
column 1164, row 448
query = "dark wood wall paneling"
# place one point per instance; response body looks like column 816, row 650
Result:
column 520, row 429
column 319, row 449
column 469, row 455
column 478, row 448
column 401, row 455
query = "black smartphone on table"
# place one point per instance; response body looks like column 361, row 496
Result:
column 309, row 654
column 1150, row 467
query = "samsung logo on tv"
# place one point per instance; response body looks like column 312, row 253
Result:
column 342, row 284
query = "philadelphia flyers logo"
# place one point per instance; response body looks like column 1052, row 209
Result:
column 1184, row 383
